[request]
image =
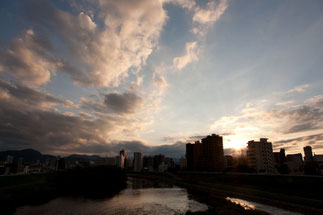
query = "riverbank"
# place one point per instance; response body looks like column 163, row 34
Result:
column 92, row 182
column 298, row 194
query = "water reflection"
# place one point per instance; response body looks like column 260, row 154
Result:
column 249, row 205
column 141, row 197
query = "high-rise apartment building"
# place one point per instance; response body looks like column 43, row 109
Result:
column 206, row 155
column 121, row 158
column 308, row 154
column 212, row 158
column 260, row 155
column 193, row 155
column 138, row 161
column 279, row 157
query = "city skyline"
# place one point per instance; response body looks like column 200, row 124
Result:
column 94, row 77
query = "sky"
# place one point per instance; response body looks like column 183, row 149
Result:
column 98, row 76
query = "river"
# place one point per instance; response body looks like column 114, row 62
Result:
column 140, row 197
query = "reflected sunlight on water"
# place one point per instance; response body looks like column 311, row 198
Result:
column 248, row 205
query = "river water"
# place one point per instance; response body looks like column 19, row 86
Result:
column 141, row 197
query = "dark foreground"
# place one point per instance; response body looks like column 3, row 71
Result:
column 293, row 193
column 92, row 182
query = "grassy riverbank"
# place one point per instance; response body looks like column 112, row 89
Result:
column 301, row 194
column 93, row 182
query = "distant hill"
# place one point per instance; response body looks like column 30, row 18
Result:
column 31, row 156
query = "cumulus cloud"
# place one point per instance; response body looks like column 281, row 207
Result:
column 191, row 55
column 203, row 19
column 98, row 54
column 28, row 59
column 316, row 101
column 188, row 4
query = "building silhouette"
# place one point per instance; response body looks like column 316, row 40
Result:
column 206, row 155
column 260, row 156
column 308, row 154
column 121, row 158
column 148, row 163
column 158, row 160
column 182, row 163
column 295, row 163
column 212, row 158
column 279, row 157
column 101, row 161
column 137, row 161
column 193, row 155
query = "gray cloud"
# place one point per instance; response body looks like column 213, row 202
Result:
column 315, row 140
column 29, row 121
column 122, row 103
column 303, row 118
column 22, row 95
column 114, row 103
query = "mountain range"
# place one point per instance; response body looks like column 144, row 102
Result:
column 31, row 156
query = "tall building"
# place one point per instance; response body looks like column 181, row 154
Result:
column 193, row 155
column 158, row 160
column 308, row 154
column 182, row 163
column 129, row 163
column 295, row 162
column 9, row 159
column 206, row 155
column 112, row 161
column 148, row 163
column 260, row 155
column 101, row 161
column 228, row 161
column 190, row 156
column 122, row 157
column 279, row 157
column 137, row 161
column 212, row 157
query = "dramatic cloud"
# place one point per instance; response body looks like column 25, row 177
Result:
column 29, row 119
column 28, row 59
column 101, row 49
column 191, row 53
column 256, row 121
